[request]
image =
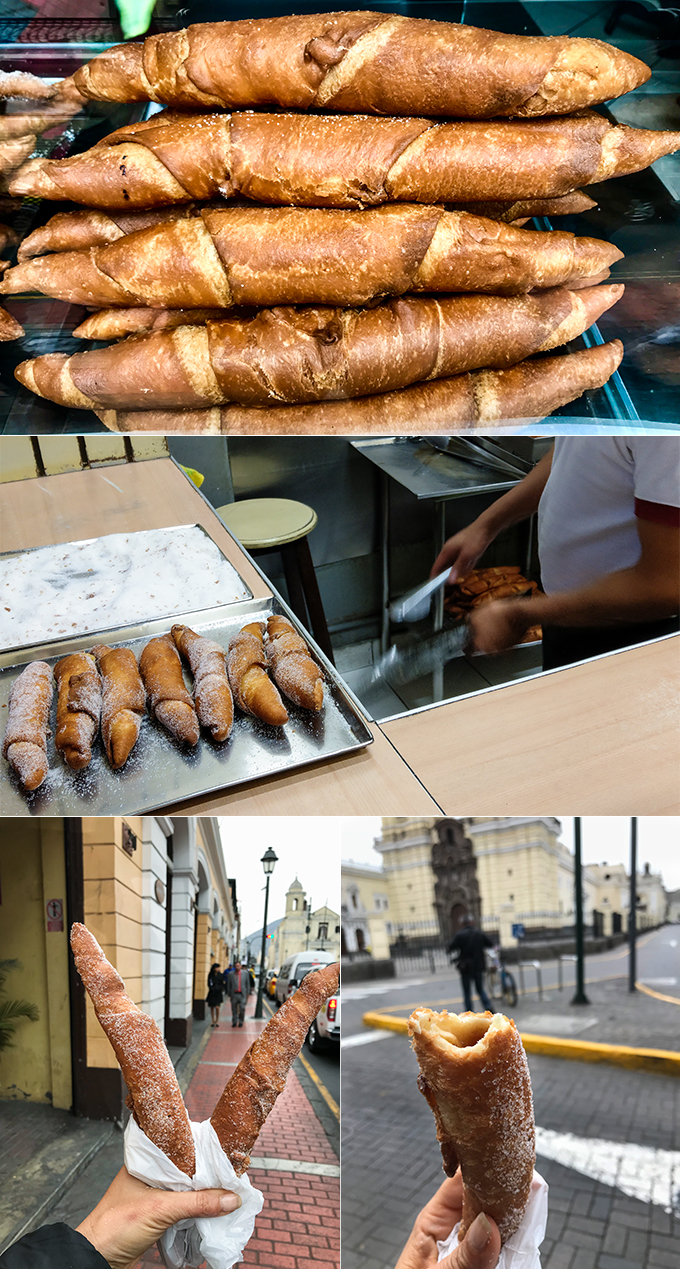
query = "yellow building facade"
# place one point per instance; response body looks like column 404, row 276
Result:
column 525, row 874
column 366, row 912
column 155, row 894
column 291, row 933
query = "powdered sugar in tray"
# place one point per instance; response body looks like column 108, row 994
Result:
column 56, row 592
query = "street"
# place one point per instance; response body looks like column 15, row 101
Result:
column 658, row 967
column 608, row 1138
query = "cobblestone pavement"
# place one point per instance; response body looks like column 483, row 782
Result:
column 391, row 1163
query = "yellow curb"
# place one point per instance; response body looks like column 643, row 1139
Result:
column 671, row 1000
column 662, row 1061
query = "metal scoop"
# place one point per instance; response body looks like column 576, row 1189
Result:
column 403, row 664
column 415, row 605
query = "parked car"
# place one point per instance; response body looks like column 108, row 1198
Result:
column 324, row 1033
column 270, row 983
column 296, row 968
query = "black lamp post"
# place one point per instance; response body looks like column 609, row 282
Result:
column 579, row 997
column 268, row 860
column 632, row 915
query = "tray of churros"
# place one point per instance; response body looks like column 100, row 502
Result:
column 132, row 718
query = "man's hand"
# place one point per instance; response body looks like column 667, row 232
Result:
column 502, row 623
column 132, row 1216
column 461, row 552
column 480, row 1248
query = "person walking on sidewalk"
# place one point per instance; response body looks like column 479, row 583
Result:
column 239, row 987
column 215, row 993
column 469, row 945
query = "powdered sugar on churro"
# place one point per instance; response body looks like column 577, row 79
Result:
column 77, row 587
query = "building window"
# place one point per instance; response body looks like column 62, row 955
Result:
column 323, row 931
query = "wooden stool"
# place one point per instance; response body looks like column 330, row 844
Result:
column 280, row 524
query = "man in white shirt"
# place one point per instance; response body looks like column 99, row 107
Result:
column 609, row 548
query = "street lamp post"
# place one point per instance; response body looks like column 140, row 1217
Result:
column 268, row 860
column 632, row 916
column 579, row 997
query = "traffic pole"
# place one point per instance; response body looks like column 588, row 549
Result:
column 579, row 997
column 632, row 915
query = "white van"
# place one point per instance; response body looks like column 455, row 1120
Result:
column 296, row 968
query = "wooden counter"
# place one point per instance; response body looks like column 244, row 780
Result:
column 601, row 738
column 365, row 783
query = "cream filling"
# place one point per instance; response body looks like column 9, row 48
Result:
column 457, row 1031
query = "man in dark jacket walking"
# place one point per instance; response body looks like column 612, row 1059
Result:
column 239, row 986
column 468, row 946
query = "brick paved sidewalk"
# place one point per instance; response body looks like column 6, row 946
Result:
column 392, row 1164
column 298, row 1227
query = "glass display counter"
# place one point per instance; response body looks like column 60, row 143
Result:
column 639, row 213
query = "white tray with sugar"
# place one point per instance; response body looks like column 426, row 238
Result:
column 74, row 588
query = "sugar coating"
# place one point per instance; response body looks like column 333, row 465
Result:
column 261, row 1074
column 29, row 706
column 114, row 580
column 140, row 1050
column 479, row 1090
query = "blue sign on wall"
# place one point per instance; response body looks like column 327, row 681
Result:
column 518, row 931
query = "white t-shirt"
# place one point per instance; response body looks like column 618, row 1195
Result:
column 597, row 489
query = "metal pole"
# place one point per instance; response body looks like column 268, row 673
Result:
column 632, row 917
column 579, row 997
column 308, row 924
column 258, row 1007
column 385, row 560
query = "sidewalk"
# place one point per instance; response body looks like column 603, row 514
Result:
column 293, row 1163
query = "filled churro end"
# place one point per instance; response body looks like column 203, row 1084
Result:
column 457, row 1030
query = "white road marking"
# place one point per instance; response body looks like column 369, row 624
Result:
column 379, row 989
column 673, row 943
column 296, row 1165
column 369, row 1037
column 640, row 1172
column 659, row 982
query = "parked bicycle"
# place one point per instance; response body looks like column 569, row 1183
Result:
column 501, row 983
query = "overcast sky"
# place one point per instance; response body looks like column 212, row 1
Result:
column 307, row 846
column 604, row 839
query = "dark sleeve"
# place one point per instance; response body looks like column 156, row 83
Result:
column 50, row 1246
column 455, row 944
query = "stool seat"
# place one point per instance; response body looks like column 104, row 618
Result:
column 261, row 523
column 281, row 524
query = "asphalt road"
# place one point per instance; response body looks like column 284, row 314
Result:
column 658, row 967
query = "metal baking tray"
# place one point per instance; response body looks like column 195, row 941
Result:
column 112, row 582
column 159, row 770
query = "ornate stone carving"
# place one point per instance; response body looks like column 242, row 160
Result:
column 456, row 888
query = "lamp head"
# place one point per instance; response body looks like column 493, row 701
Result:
column 268, row 860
